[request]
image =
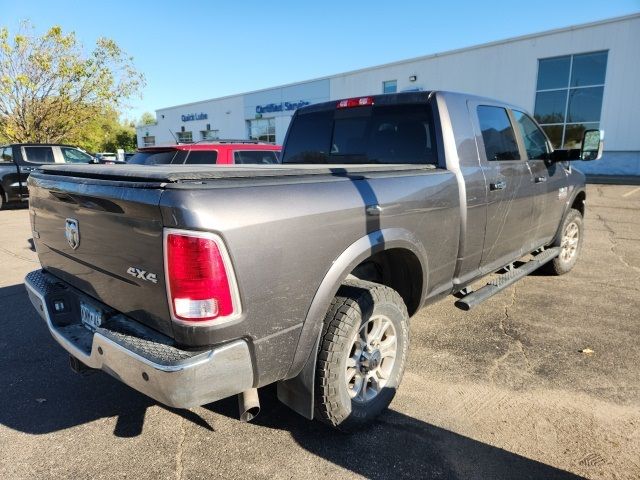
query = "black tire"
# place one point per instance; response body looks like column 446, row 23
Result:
column 563, row 263
column 358, row 307
column 2, row 202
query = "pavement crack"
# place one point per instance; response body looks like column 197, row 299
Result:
column 180, row 451
column 516, row 347
column 15, row 255
column 614, row 245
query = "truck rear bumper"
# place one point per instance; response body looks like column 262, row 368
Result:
column 138, row 356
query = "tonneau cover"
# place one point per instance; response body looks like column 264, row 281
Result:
column 178, row 173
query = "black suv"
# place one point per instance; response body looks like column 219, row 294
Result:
column 18, row 159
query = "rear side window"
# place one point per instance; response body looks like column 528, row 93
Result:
column 386, row 134
column 39, row 154
column 153, row 158
column 497, row 134
column 202, row 157
column 5, row 155
column 535, row 142
column 258, row 157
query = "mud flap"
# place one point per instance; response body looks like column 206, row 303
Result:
column 297, row 393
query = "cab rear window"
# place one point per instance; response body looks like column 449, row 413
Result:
column 153, row 158
column 39, row 154
column 388, row 134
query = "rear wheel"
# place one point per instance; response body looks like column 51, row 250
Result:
column 362, row 355
column 570, row 243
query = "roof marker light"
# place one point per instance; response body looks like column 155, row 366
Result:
column 355, row 102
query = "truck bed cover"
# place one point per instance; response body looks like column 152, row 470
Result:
column 185, row 173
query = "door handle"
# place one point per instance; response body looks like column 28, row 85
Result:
column 500, row 185
column 541, row 179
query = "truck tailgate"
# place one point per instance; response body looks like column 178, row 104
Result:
column 98, row 236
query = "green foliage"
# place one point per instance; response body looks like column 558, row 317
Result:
column 51, row 90
column 147, row 118
column 105, row 133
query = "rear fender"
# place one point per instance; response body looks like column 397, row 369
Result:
column 297, row 390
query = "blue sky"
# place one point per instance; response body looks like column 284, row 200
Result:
column 194, row 50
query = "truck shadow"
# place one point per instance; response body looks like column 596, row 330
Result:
column 396, row 446
column 39, row 395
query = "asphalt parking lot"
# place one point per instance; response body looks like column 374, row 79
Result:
column 500, row 392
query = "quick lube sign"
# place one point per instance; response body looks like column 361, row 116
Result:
column 280, row 107
column 190, row 117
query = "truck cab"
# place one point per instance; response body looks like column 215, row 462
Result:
column 18, row 160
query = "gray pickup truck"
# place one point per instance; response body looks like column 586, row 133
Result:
column 195, row 283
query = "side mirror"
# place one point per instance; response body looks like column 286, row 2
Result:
column 591, row 149
column 592, row 145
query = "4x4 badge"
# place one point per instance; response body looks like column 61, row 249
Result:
column 72, row 232
column 142, row 274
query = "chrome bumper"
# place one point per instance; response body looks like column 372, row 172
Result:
column 175, row 378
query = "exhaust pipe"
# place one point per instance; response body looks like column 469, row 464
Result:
column 80, row 368
column 248, row 405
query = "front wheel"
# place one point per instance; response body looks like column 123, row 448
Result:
column 362, row 354
column 570, row 243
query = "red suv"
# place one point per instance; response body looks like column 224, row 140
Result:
column 217, row 152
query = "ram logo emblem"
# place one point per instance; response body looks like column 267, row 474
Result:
column 72, row 232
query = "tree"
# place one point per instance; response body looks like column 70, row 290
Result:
column 105, row 133
column 125, row 138
column 147, row 118
column 51, row 89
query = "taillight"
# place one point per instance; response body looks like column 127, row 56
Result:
column 355, row 102
column 200, row 281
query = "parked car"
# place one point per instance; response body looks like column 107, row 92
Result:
column 191, row 285
column 105, row 157
column 218, row 152
column 19, row 159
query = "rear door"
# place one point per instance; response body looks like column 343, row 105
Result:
column 9, row 174
column 510, row 224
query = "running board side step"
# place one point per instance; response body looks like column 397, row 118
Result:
column 470, row 300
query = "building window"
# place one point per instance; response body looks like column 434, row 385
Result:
column 262, row 129
column 209, row 134
column 390, row 86
column 569, row 96
column 149, row 141
column 185, row 137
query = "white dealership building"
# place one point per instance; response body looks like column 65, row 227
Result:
column 581, row 76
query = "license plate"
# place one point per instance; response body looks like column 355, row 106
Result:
column 91, row 316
